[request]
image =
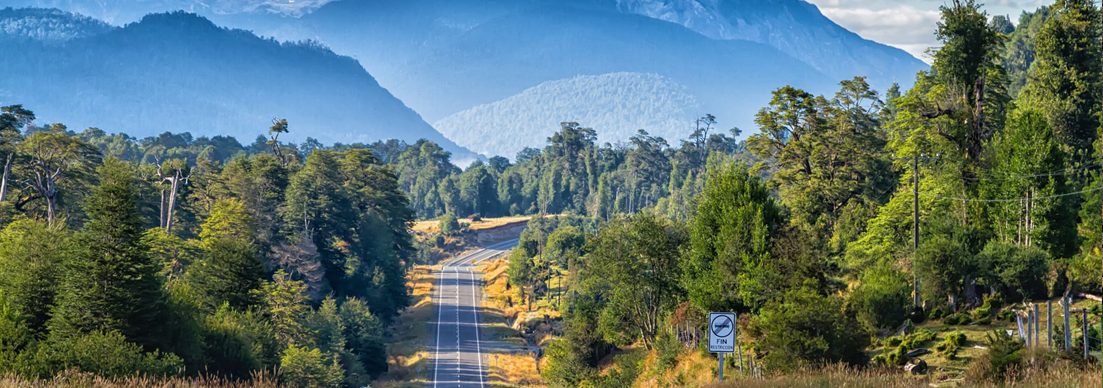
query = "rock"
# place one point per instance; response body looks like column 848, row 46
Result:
column 916, row 367
column 918, row 352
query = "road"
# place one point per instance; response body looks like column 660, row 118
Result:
column 458, row 354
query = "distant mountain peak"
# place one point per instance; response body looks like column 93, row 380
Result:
column 48, row 24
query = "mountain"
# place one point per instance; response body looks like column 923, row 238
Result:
column 445, row 57
column 618, row 103
column 47, row 25
column 180, row 72
column 796, row 28
column 126, row 11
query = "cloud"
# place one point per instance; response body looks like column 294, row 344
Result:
column 901, row 26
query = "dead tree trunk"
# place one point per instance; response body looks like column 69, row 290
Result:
column 4, row 179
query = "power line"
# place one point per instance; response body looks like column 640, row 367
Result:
column 1013, row 176
column 1013, row 199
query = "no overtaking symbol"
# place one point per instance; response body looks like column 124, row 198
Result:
column 721, row 332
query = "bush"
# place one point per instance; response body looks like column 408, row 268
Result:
column 311, row 368
column 898, row 357
column 805, row 327
column 106, row 354
column 667, row 348
column 1021, row 271
column 949, row 347
column 1003, row 359
column 958, row 319
column 937, row 313
column 957, row 338
column 449, row 224
column 882, row 299
column 892, row 342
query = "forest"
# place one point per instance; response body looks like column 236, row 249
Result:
column 179, row 255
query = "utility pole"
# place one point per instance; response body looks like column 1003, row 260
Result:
column 916, row 299
column 915, row 235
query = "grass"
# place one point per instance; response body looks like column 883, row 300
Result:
column 409, row 344
column 838, row 376
column 510, row 363
column 433, row 226
column 73, row 379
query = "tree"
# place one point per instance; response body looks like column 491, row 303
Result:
column 564, row 245
column 288, row 310
column 807, row 328
column 54, row 157
column 828, row 153
column 637, row 266
column 1024, row 156
column 176, row 173
column 730, row 243
column 230, row 272
column 111, row 283
column 12, row 120
column 30, row 254
column 882, row 298
column 1065, row 80
column 449, row 224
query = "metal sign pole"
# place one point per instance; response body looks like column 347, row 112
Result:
column 721, row 366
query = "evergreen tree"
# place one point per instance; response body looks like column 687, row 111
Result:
column 111, row 283
column 1066, row 78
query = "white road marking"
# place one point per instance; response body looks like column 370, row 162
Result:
column 455, row 263
column 475, row 312
column 436, row 351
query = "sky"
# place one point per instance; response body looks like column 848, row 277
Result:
column 907, row 24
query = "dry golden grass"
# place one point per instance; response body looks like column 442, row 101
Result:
column 409, row 334
column 514, row 366
column 838, row 376
column 513, row 370
column 432, row 226
column 73, row 379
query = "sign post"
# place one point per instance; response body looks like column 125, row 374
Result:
column 721, row 336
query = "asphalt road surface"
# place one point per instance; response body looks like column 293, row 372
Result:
column 457, row 355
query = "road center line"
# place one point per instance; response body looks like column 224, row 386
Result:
column 475, row 312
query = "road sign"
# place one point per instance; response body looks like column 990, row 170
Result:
column 721, row 332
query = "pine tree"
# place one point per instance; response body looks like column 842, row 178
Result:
column 111, row 283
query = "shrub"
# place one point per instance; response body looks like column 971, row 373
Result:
column 449, row 224
column 957, row 338
column 882, row 299
column 106, row 354
column 806, row 327
column 899, row 356
column 310, row 368
column 1002, row 360
column 958, row 319
column 668, row 348
column 937, row 313
column 892, row 342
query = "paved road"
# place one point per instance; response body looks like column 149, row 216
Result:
column 458, row 354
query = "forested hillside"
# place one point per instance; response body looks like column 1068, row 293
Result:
column 179, row 72
column 618, row 103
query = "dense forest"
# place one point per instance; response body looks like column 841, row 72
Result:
column 818, row 256
column 180, row 254
column 176, row 255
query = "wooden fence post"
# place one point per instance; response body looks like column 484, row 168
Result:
column 1068, row 328
column 1049, row 324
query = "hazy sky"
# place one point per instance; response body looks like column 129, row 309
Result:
column 907, row 24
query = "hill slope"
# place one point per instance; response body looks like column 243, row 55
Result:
column 179, row 72
column 618, row 104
